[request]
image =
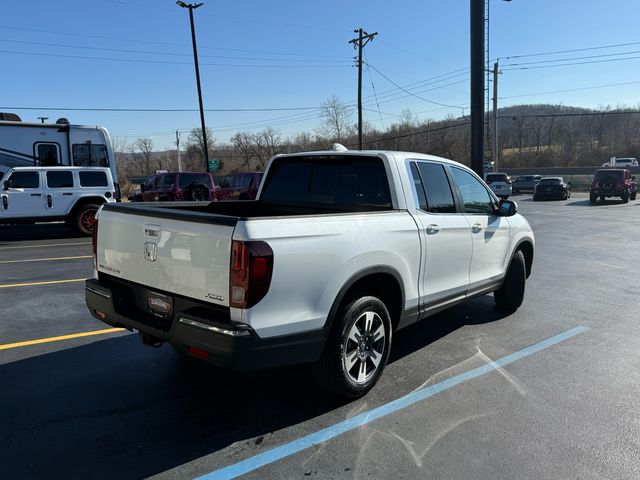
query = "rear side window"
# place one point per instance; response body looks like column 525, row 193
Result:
column 188, row 179
column 25, row 180
column 437, row 189
column 167, row 181
column 334, row 180
column 60, row 179
column 90, row 155
column 93, row 179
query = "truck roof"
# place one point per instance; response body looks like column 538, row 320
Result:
column 47, row 125
column 391, row 154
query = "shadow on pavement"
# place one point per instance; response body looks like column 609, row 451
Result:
column 49, row 231
column 116, row 409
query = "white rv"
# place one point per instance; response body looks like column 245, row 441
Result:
column 25, row 144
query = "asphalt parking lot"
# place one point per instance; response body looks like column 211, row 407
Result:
column 548, row 392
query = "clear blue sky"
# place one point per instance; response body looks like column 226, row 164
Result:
column 258, row 54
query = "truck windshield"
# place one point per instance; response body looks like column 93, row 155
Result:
column 334, row 180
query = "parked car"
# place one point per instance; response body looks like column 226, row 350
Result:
column 500, row 183
column 285, row 280
column 53, row 194
column 240, row 186
column 178, row 186
column 488, row 165
column 613, row 182
column 552, row 188
column 525, row 183
column 621, row 163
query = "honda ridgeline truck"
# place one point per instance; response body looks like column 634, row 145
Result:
column 338, row 251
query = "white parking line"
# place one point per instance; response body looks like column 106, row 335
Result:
column 45, row 245
column 78, row 257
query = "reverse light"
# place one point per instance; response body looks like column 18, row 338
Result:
column 94, row 242
column 250, row 273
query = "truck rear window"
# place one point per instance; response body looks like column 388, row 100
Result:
column 334, row 180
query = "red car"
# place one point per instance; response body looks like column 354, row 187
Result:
column 613, row 182
column 240, row 186
column 177, row 186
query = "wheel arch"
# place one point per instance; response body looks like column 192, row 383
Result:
column 98, row 200
column 382, row 282
column 526, row 247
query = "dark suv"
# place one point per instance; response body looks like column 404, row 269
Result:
column 240, row 186
column 613, row 182
column 176, row 186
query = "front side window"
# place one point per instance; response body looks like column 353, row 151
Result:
column 60, row 179
column 475, row 197
column 47, row 154
column 25, row 180
column 437, row 188
column 90, row 155
column 93, row 179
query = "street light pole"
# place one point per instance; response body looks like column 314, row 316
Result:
column 477, row 85
column 205, row 147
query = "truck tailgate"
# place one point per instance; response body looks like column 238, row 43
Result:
column 171, row 250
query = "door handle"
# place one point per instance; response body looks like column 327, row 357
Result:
column 49, row 201
column 476, row 228
column 67, row 193
column 36, row 194
column 433, row 229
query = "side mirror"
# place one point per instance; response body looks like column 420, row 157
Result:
column 7, row 185
column 507, row 208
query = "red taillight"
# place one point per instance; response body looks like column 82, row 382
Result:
column 198, row 352
column 94, row 241
column 250, row 274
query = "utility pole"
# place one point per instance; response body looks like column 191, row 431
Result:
column 205, row 147
column 178, row 146
column 496, row 155
column 359, row 43
column 477, row 85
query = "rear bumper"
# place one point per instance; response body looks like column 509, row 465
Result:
column 552, row 194
column 199, row 330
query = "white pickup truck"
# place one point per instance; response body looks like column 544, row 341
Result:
column 339, row 250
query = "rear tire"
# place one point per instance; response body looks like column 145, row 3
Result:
column 511, row 294
column 593, row 198
column 625, row 197
column 632, row 196
column 85, row 218
column 357, row 349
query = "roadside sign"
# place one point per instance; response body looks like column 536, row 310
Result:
column 214, row 165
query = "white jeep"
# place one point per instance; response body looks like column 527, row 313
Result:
column 48, row 194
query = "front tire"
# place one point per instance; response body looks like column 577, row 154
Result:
column 625, row 197
column 593, row 198
column 357, row 349
column 632, row 196
column 85, row 218
column 511, row 294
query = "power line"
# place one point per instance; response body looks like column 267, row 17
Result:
column 147, row 52
column 156, row 42
column 373, row 88
column 570, row 90
column 167, row 62
column 588, row 57
column 572, row 50
column 572, row 63
column 100, row 109
column 422, row 132
column 411, row 93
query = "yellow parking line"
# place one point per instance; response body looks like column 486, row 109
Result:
column 32, row 284
column 45, row 259
column 60, row 338
column 45, row 245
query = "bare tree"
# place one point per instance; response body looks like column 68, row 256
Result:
column 267, row 143
column 244, row 143
column 337, row 122
column 145, row 145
